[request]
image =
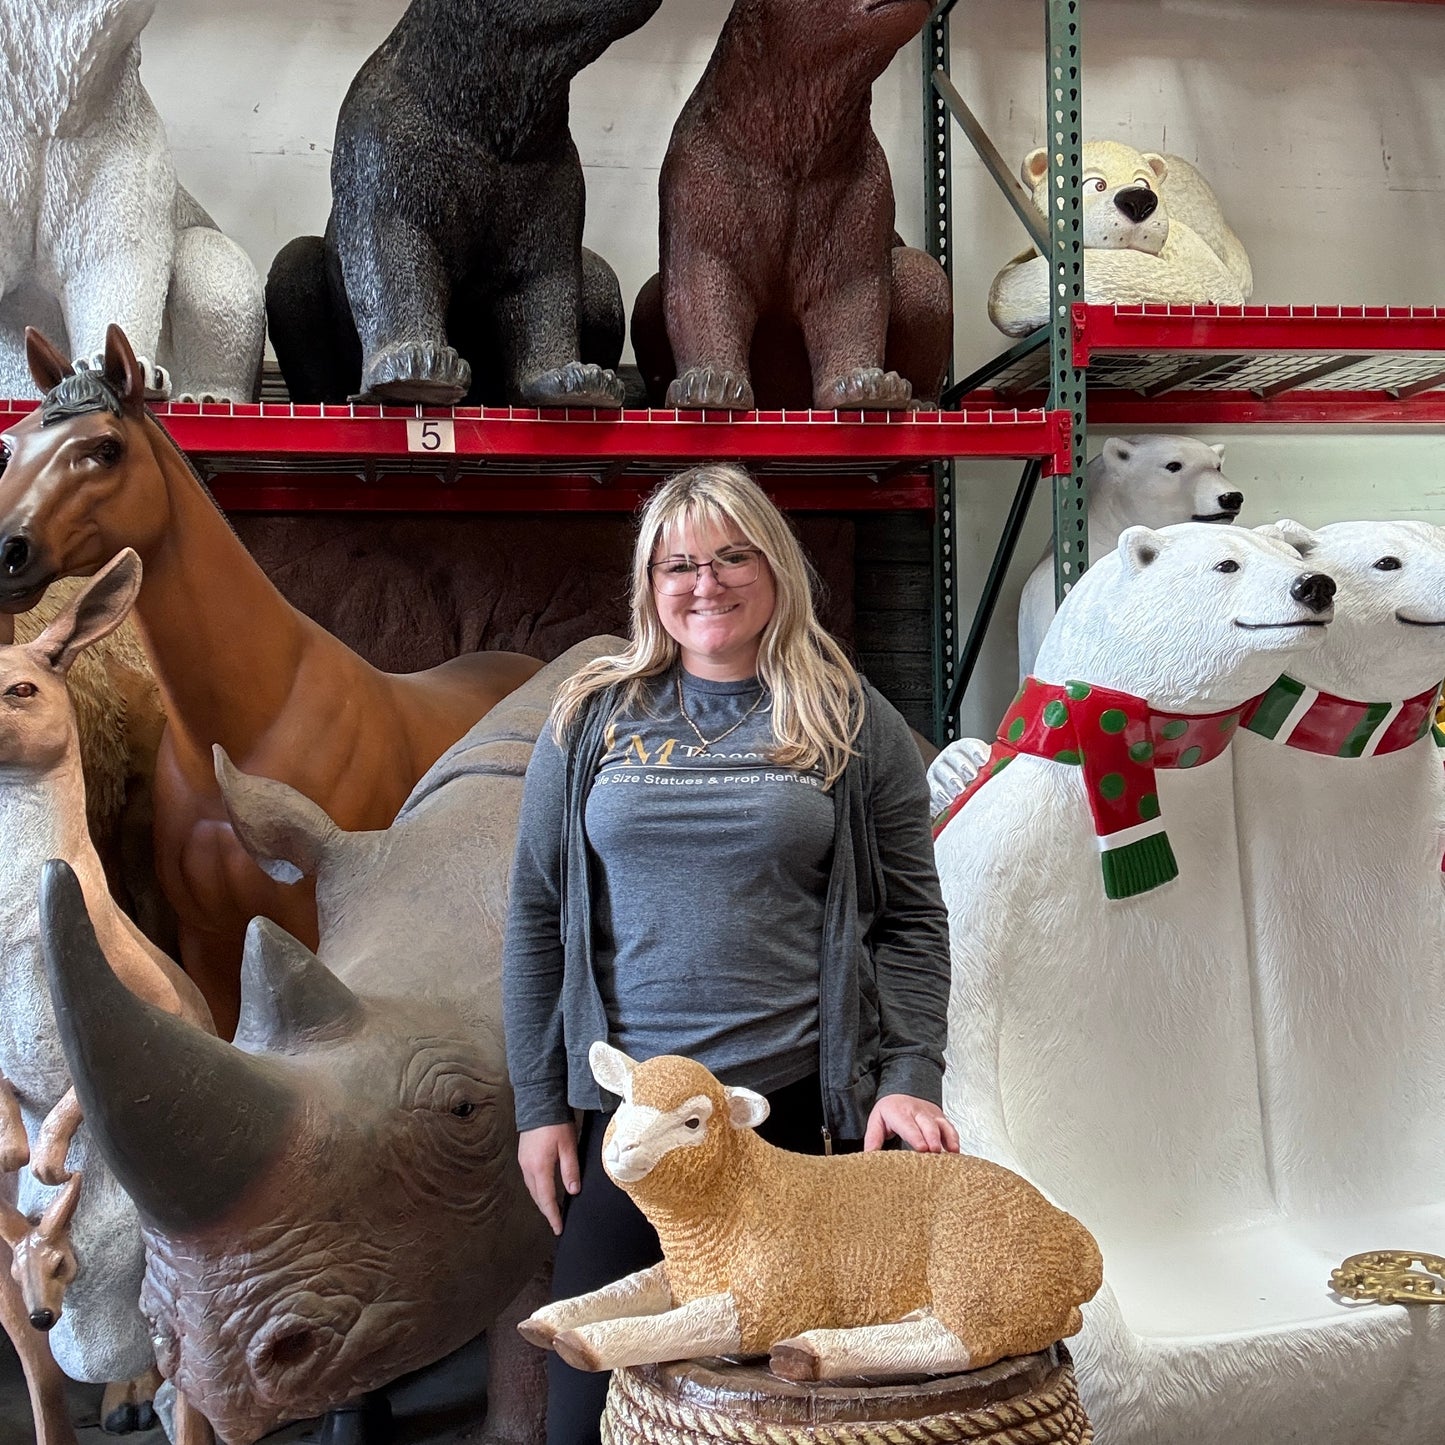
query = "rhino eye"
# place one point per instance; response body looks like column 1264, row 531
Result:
column 465, row 1109
column 1388, row 564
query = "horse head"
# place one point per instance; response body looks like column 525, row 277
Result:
column 80, row 478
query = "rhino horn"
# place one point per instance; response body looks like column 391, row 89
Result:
column 288, row 996
column 185, row 1121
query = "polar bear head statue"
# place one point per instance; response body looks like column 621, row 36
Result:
column 1123, row 208
column 1160, row 480
column 1388, row 638
column 1191, row 618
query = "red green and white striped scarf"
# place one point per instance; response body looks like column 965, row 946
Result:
column 1118, row 740
column 1339, row 727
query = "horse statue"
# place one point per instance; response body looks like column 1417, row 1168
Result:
column 92, row 471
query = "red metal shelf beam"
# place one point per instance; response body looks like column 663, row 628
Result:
column 369, row 458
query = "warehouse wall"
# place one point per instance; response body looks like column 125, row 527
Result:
column 1321, row 125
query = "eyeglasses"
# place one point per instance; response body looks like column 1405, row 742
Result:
column 674, row 576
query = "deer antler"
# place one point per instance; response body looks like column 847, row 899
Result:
column 52, row 1143
column 14, row 1146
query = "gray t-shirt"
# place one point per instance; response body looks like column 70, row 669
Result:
column 711, row 869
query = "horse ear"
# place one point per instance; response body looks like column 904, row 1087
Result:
column 92, row 614
column 122, row 370
column 48, row 368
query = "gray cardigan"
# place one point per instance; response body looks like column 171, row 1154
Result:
column 884, row 976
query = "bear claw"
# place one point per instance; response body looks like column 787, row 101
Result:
column 423, row 372
column 869, row 388
column 577, row 384
column 702, row 387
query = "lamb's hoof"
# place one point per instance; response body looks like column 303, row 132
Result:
column 868, row 389
column 123, row 1420
column 537, row 1332
column 577, row 384
column 411, row 372
column 157, row 378
column 795, row 1359
column 575, row 1348
column 701, row 387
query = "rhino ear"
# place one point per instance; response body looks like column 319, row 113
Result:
column 612, row 1069
column 287, row 834
column 288, row 996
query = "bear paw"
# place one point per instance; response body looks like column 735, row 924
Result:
column 577, row 384
column 416, row 372
column 869, row 388
column 157, row 378
column 795, row 1359
column 700, row 387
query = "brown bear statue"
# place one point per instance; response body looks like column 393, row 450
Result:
column 783, row 282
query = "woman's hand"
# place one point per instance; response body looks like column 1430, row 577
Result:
column 921, row 1125
column 543, row 1153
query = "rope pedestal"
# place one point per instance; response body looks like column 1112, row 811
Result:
column 1032, row 1400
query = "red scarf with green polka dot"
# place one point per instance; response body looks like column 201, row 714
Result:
column 1118, row 741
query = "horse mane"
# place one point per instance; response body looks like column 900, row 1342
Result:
column 79, row 394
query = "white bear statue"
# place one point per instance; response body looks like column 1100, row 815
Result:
column 94, row 227
column 1153, row 231
column 1149, row 481
column 1340, row 794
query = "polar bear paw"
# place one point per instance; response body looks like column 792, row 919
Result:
column 157, row 378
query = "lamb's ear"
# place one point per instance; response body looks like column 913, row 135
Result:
column 1292, row 534
column 1117, row 449
column 92, row 614
column 122, row 370
column 1034, row 168
column 1139, row 546
column 1157, row 164
column 746, row 1109
column 612, row 1069
column 48, row 368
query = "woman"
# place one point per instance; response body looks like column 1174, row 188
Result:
column 723, row 852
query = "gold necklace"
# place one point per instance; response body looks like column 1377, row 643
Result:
column 708, row 743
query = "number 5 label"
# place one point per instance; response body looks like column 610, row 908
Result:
column 431, row 436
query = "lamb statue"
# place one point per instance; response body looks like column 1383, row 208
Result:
column 94, row 227
column 1145, row 481
column 863, row 1264
column 1153, row 231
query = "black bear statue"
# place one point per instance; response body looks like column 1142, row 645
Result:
column 452, row 268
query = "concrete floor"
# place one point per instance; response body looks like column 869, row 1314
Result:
column 440, row 1406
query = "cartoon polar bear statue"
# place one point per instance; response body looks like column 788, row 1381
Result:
column 94, row 227
column 1150, row 481
column 1101, row 1037
column 1153, row 231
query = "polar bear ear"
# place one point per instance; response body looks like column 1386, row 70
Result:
column 1117, row 449
column 1139, row 546
column 1218, row 449
column 1292, row 534
column 1035, row 167
column 1157, row 164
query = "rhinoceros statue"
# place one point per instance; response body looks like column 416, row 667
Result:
column 334, row 1199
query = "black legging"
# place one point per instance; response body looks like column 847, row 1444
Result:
column 605, row 1237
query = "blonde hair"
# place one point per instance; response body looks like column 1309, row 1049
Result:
column 815, row 688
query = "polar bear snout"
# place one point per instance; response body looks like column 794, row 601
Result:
column 1315, row 590
column 1137, row 202
column 1232, row 502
